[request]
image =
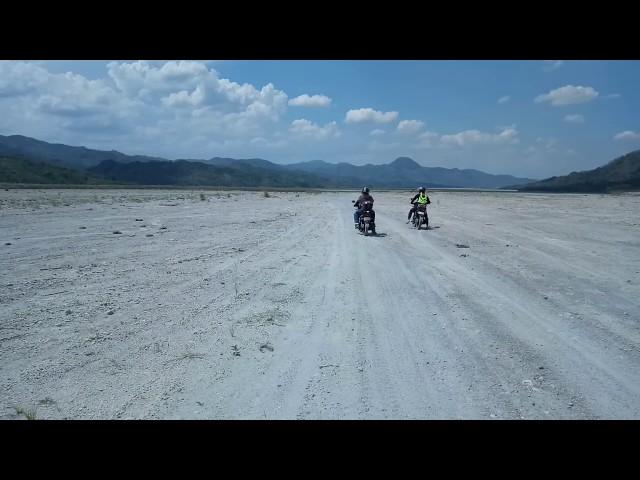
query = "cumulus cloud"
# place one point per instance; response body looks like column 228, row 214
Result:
column 189, row 88
column 410, row 127
column 310, row 101
column 428, row 135
column 34, row 100
column 189, row 84
column 471, row 137
column 307, row 128
column 370, row 115
column 627, row 135
column 575, row 118
column 377, row 132
column 142, row 77
column 568, row 95
column 66, row 107
column 428, row 140
column 504, row 99
column 138, row 103
column 550, row 65
column 184, row 98
column 20, row 78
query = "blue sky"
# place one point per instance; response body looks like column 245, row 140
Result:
column 525, row 118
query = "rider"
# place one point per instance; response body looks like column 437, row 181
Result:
column 419, row 198
column 364, row 197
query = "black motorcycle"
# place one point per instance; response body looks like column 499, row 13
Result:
column 367, row 222
column 420, row 217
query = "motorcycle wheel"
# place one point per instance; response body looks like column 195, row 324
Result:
column 366, row 229
column 419, row 223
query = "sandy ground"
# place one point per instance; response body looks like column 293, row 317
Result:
column 246, row 307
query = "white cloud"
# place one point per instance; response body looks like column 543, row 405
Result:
column 310, row 101
column 470, row 137
column 613, row 95
column 568, row 95
column 550, row 65
column 20, row 78
column 183, row 98
column 139, row 104
column 410, row 127
column 39, row 101
column 189, row 84
column 575, row 118
column 627, row 135
column 377, row 132
column 428, row 140
column 506, row 136
column 142, row 77
column 309, row 129
column 504, row 99
column 370, row 115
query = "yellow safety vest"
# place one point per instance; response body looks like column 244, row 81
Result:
column 422, row 199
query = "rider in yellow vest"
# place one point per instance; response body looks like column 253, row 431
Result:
column 420, row 198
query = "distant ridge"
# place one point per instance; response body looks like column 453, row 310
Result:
column 403, row 172
column 621, row 174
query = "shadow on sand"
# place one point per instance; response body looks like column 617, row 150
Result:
column 376, row 235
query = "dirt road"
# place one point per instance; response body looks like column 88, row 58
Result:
column 241, row 306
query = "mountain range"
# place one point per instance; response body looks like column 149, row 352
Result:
column 117, row 167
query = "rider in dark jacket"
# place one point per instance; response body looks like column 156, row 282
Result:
column 364, row 197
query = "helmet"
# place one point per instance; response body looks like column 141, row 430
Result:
column 365, row 189
column 422, row 189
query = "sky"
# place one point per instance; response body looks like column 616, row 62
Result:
column 524, row 118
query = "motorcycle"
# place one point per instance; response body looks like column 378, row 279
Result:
column 420, row 217
column 366, row 223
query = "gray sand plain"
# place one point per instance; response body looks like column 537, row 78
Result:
column 238, row 306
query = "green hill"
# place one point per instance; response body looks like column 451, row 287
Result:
column 192, row 173
column 621, row 174
column 19, row 170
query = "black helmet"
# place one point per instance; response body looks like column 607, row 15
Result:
column 365, row 189
column 422, row 189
